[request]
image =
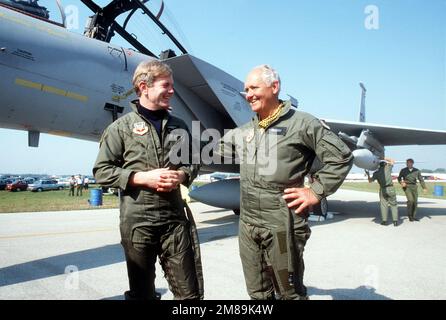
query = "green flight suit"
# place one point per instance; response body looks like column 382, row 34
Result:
column 151, row 223
column 387, row 193
column 411, row 190
column 271, row 236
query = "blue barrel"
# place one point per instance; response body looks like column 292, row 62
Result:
column 438, row 191
column 95, row 197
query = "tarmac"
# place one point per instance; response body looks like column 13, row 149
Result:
column 77, row 254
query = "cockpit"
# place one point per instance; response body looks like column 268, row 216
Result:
column 139, row 23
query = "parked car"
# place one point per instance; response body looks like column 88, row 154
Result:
column 29, row 180
column 17, row 185
column 4, row 182
column 43, row 185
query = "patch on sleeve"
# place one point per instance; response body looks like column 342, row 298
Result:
column 324, row 124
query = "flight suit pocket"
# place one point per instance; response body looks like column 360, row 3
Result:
column 180, row 240
column 334, row 145
column 389, row 192
column 142, row 237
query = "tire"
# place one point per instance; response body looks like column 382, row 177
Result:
column 39, row 190
column 60, row 188
column 18, row 189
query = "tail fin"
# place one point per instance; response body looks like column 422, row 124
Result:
column 362, row 110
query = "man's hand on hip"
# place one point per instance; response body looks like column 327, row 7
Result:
column 300, row 199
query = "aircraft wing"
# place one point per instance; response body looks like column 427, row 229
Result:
column 390, row 135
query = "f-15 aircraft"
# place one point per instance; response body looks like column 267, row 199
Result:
column 59, row 82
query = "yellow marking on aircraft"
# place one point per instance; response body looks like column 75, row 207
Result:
column 76, row 96
column 54, row 90
column 50, row 89
column 16, row 20
column 30, row 235
column 51, row 31
column 28, row 84
column 33, row 25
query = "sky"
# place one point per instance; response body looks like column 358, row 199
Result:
column 321, row 49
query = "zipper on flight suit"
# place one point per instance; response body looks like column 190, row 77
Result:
column 151, row 128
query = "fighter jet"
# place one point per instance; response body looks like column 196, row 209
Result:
column 59, row 82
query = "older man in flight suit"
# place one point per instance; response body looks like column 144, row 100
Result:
column 134, row 156
column 276, row 151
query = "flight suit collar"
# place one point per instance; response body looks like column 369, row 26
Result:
column 133, row 105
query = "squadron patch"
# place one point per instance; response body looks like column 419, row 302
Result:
column 324, row 124
column 140, row 128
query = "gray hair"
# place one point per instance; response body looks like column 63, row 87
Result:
column 268, row 74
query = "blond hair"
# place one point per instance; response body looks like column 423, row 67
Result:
column 148, row 71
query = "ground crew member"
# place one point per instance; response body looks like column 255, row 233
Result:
column 135, row 156
column 79, row 185
column 276, row 151
column 72, row 183
column 408, row 180
column 387, row 193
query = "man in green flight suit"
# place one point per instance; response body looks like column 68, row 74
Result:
column 408, row 180
column 135, row 156
column 276, row 151
column 387, row 193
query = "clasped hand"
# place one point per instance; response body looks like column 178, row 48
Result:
column 163, row 180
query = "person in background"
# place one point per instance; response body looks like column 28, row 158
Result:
column 79, row 185
column 72, row 185
column 387, row 193
column 86, row 182
column 408, row 179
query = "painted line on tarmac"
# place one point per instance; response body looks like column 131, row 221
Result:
column 30, row 235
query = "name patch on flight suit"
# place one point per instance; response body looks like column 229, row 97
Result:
column 140, row 128
column 278, row 130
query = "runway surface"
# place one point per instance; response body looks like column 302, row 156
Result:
column 77, row 255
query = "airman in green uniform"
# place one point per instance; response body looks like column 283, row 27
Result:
column 134, row 156
column 276, row 151
column 387, row 193
column 408, row 179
